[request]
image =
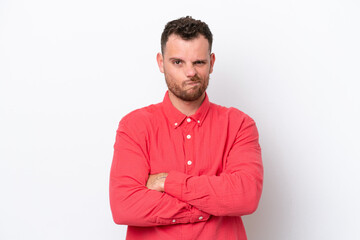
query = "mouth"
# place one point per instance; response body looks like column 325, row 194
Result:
column 191, row 83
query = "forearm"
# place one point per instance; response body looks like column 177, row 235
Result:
column 132, row 203
column 225, row 195
column 145, row 207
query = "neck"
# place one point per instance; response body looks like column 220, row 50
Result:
column 186, row 107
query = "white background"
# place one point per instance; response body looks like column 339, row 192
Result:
column 69, row 70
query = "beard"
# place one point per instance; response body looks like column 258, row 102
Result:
column 186, row 93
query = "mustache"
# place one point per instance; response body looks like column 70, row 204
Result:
column 191, row 80
column 195, row 78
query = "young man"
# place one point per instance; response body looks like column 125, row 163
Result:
column 185, row 168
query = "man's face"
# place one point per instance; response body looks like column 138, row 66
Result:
column 186, row 65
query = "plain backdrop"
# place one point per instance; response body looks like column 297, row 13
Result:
column 71, row 69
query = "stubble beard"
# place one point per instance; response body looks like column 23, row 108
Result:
column 184, row 93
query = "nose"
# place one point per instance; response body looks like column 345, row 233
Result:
column 190, row 71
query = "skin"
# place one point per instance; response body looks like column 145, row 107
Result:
column 187, row 65
column 156, row 182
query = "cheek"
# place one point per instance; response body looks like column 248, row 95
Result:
column 204, row 72
column 171, row 77
column 175, row 73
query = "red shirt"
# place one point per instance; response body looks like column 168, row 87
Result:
column 215, row 172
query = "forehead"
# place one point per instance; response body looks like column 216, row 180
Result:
column 196, row 47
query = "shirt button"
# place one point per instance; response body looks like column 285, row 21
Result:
column 173, row 220
column 189, row 162
column 188, row 136
column 188, row 120
column 198, row 121
column 175, row 124
column 201, row 218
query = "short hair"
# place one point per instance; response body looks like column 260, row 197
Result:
column 187, row 28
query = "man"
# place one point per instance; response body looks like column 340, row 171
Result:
column 185, row 168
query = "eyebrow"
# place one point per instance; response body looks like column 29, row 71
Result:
column 198, row 60
column 174, row 58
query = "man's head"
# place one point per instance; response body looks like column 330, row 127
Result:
column 187, row 28
column 186, row 58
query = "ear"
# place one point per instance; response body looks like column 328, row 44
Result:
column 160, row 62
column 212, row 61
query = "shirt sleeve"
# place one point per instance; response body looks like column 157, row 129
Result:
column 237, row 190
column 132, row 203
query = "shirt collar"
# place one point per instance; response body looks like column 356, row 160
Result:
column 176, row 118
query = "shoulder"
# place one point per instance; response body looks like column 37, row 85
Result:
column 232, row 114
column 140, row 118
column 239, row 124
column 141, row 114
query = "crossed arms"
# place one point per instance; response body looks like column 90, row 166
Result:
column 140, row 199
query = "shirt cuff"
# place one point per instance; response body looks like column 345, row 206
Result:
column 194, row 216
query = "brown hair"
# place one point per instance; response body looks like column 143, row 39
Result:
column 187, row 28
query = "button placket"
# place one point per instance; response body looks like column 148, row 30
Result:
column 188, row 144
column 188, row 152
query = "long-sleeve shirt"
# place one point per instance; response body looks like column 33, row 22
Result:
column 215, row 172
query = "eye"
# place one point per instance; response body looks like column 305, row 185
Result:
column 177, row 62
column 199, row 62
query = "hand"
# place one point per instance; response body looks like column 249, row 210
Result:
column 156, row 181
